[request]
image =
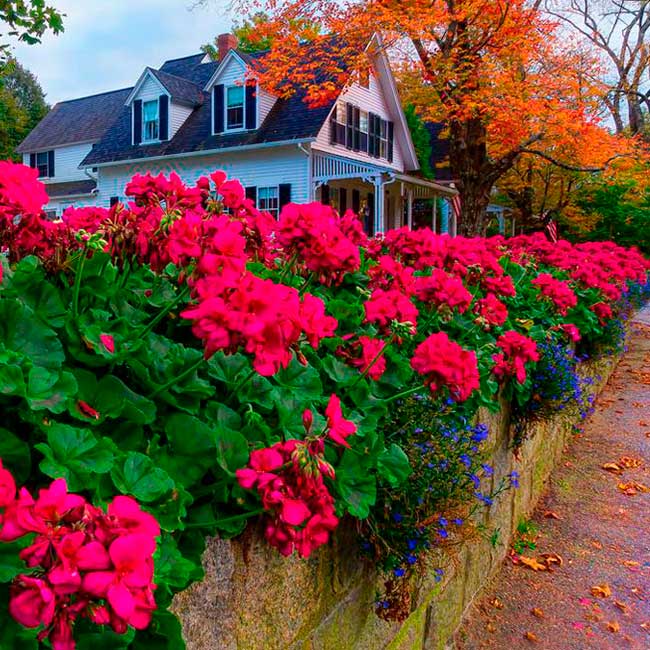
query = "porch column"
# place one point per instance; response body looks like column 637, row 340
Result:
column 379, row 205
column 434, row 214
column 444, row 216
column 409, row 207
column 502, row 223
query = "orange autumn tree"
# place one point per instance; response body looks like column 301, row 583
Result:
column 495, row 72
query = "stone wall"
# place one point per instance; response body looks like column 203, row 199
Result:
column 254, row 599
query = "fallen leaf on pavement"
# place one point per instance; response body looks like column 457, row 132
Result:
column 552, row 558
column 614, row 626
column 549, row 514
column 622, row 606
column 629, row 462
column 612, row 467
column 495, row 602
column 630, row 563
column 646, row 626
column 631, row 488
column 537, row 612
column 596, row 544
column 491, row 628
column 531, row 636
column 601, row 591
column 585, row 602
column 532, row 563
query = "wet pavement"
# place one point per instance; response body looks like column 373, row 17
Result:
column 597, row 522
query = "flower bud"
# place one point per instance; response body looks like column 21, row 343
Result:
column 307, row 420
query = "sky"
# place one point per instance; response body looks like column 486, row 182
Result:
column 107, row 43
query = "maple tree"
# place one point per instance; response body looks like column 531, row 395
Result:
column 498, row 74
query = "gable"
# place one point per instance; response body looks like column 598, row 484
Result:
column 147, row 88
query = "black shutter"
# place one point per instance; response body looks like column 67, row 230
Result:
column 391, row 137
column 32, row 160
column 251, row 107
column 217, row 108
column 251, row 193
column 325, row 194
column 343, row 200
column 356, row 201
column 50, row 164
column 372, row 134
column 356, row 116
column 349, row 125
column 137, row 121
column 284, row 192
column 113, row 201
column 333, row 125
column 163, row 106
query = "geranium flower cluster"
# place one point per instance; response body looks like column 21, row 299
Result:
column 289, row 480
column 313, row 234
column 517, row 351
column 445, row 364
column 83, row 562
column 557, row 291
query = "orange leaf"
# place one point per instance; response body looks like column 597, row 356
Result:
column 612, row 467
column 530, row 636
column 549, row 514
column 622, row 606
column 532, row 563
column 614, row 626
column 537, row 612
column 601, row 591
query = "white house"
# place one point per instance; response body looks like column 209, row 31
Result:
column 194, row 115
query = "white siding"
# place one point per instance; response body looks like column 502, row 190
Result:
column 178, row 113
column 233, row 73
column 265, row 102
column 151, row 89
column 265, row 167
column 369, row 99
column 66, row 163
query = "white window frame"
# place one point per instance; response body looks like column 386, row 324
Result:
column 46, row 165
column 145, row 139
column 271, row 197
column 383, row 139
column 227, row 126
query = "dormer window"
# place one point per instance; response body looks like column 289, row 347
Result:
column 234, row 108
column 150, row 121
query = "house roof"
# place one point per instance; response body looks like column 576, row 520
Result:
column 78, row 120
column 289, row 119
column 72, row 188
column 181, row 90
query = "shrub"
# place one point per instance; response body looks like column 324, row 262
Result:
column 216, row 365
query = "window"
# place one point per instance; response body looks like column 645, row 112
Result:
column 383, row 139
column 268, row 199
column 50, row 215
column 150, row 121
column 42, row 164
column 235, row 108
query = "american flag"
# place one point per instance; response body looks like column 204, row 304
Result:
column 456, row 207
column 551, row 230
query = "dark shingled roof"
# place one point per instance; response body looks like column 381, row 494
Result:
column 73, row 188
column 289, row 119
column 181, row 90
column 78, row 120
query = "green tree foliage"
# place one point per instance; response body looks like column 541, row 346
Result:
column 246, row 33
column 421, row 140
column 617, row 213
column 22, row 106
column 27, row 20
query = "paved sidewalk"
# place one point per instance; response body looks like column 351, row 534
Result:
column 599, row 598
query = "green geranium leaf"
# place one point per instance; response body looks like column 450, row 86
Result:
column 164, row 633
column 74, row 454
column 171, row 568
column 139, row 477
column 232, row 450
column 50, row 389
column 356, row 485
column 15, row 455
column 393, row 465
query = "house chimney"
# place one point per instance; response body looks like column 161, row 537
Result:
column 225, row 43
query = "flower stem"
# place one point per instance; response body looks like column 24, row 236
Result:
column 405, row 393
column 179, row 378
column 378, row 356
column 77, row 285
column 163, row 312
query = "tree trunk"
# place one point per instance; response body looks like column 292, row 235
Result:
column 470, row 169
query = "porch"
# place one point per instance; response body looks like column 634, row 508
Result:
column 382, row 197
